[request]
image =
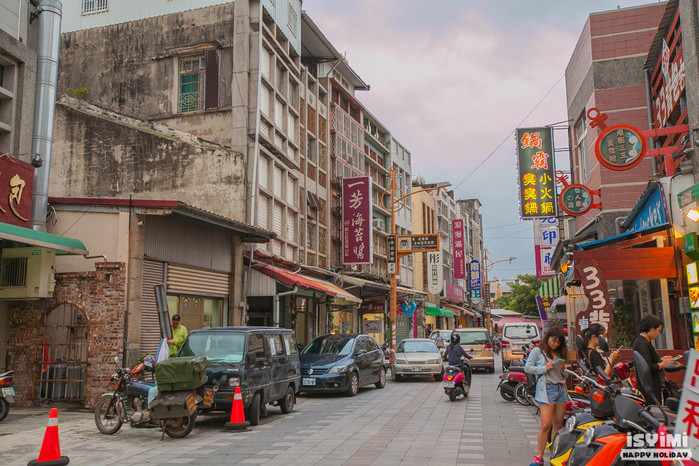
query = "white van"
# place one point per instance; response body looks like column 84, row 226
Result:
column 515, row 335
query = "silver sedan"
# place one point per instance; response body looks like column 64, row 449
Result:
column 417, row 356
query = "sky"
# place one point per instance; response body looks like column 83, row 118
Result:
column 453, row 79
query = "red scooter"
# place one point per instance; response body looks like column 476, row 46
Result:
column 510, row 378
column 454, row 383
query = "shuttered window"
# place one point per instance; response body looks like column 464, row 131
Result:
column 291, row 185
column 263, row 172
column 182, row 279
column 278, row 218
column 150, row 322
column 291, row 127
column 291, row 227
column 278, row 186
column 263, row 211
column 279, row 114
column 266, row 62
column 265, row 98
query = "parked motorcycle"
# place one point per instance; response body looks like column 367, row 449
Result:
column 174, row 411
column 7, row 393
column 509, row 380
column 454, row 382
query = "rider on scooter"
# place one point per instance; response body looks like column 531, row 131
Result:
column 453, row 353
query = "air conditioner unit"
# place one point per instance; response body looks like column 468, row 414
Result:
column 379, row 223
column 27, row 273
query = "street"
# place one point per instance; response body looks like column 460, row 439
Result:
column 408, row 422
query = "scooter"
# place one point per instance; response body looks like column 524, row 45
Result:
column 509, row 380
column 7, row 393
column 454, row 382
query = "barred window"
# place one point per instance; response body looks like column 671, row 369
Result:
column 192, row 79
column 94, row 6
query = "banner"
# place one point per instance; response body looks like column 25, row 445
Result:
column 357, row 231
column 535, row 173
column 457, row 230
column 544, row 304
column 595, row 286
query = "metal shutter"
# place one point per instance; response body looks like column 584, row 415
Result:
column 264, row 100
column 291, row 228
column 262, row 211
column 291, row 192
column 150, row 324
column 263, row 172
column 278, row 176
column 278, row 213
column 279, row 114
column 182, row 279
column 291, row 127
column 266, row 62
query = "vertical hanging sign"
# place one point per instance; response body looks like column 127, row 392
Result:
column 435, row 277
column 475, row 282
column 535, row 173
column 357, row 241
column 457, row 230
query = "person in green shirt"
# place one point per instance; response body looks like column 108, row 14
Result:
column 179, row 333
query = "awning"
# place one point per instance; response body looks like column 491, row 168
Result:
column 402, row 289
column 436, row 311
column 289, row 278
column 361, row 283
column 459, row 309
column 551, row 288
column 560, row 301
column 60, row 244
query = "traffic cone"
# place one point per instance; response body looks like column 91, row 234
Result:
column 50, row 454
column 237, row 421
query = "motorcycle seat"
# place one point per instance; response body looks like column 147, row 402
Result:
column 516, row 369
column 655, row 411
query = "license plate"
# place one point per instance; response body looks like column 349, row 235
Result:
column 8, row 391
column 417, row 369
column 448, row 384
column 309, row 381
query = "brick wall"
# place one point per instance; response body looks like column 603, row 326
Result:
column 101, row 296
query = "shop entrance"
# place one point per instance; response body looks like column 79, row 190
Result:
column 62, row 357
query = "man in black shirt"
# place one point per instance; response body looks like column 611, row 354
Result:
column 454, row 352
column 650, row 328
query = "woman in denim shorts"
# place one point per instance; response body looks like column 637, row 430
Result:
column 550, row 386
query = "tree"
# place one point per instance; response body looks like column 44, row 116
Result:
column 523, row 296
column 503, row 302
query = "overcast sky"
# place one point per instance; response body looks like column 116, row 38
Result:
column 452, row 79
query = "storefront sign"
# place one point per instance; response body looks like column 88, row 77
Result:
column 457, row 230
column 391, row 249
column 620, row 147
column 372, row 307
column 595, row 287
column 474, row 271
column 544, row 304
column 546, row 232
column 651, row 214
column 535, row 173
column 16, row 180
column 475, row 293
column 687, row 423
column 670, row 92
column 434, row 272
column 357, row 241
column 575, row 199
column 453, row 291
column 543, row 261
column 372, row 326
column 418, row 243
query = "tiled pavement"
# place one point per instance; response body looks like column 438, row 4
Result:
column 411, row 423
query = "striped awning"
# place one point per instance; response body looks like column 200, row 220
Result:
column 551, row 288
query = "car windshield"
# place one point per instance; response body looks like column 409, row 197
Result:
column 217, row 347
column 521, row 331
column 416, row 347
column 473, row 338
column 330, row 345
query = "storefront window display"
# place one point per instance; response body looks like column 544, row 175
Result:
column 373, row 324
column 198, row 311
column 339, row 322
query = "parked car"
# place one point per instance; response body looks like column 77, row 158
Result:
column 263, row 361
column 515, row 335
column 342, row 363
column 445, row 334
column 479, row 345
column 417, row 356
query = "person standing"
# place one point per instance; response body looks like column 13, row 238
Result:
column 544, row 362
column 650, row 328
column 179, row 333
column 438, row 340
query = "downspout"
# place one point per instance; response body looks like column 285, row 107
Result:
column 253, row 182
column 48, row 45
column 275, row 310
column 649, row 115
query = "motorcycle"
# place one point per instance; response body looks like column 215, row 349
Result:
column 454, row 382
column 7, row 393
column 510, row 378
column 174, row 411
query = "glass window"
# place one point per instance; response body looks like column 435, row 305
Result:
column 256, row 345
column 520, row 331
column 275, row 345
column 474, row 338
column 218, row 347
column 330, row 344
column 191, row 88
column 407, row 346
column 290, row 345
column 371, row 344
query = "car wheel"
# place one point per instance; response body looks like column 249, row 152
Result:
column 382, row 378
column 353, row 384
column 395, row 377
column 255, row 409
column 287, row 403
column 491, row 370
column 438, row 377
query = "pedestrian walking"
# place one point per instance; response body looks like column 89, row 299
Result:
column 546, row 362
column 438, row 340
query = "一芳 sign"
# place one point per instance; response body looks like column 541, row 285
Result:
column 535, row 173
column 357, row 241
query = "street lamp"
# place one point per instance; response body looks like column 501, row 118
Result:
column 398, row 199
column 488, row 265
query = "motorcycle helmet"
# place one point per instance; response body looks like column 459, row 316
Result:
column 455, row 338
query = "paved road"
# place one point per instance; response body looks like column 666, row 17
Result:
column 410, row 422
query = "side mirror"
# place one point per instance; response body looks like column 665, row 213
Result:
column 360, row 352
column 251, row 359
column 603, row 345
column 580, row 344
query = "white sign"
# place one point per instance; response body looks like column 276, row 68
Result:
column 546, row 233
column 434, row 272
column 688, row 412
column 391, row 267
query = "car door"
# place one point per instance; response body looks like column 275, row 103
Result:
column 293, row 368
column 279, row 365
column 376, row 358
column 363, row 360
column 257, row 368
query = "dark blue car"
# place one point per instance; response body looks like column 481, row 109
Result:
column 342, row 363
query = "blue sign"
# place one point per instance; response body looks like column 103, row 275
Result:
column 652, row 214
column 474, row 271
column 476, row 293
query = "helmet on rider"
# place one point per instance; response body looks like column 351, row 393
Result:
column 455, row 338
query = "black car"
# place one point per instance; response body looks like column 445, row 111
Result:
column 262, row 361
column 342, row 363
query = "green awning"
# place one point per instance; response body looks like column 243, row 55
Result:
column 60, row 244
column 436, row 311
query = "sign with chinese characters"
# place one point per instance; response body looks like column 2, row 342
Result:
column 544, row 304
column 535, row 173
column 620, row 147
column 543, row 261
column 688, row 411
column 16, row 180
column 595, row 286
column 357, row 241
column 453, row 291
column 457, row 231
column 417, row 243
column 434, row 272
column 668, row 96
column 474, row 271
column 546, row 232
column 575, row 199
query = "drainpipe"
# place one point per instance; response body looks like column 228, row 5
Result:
column 275, row 310
column 48, row 44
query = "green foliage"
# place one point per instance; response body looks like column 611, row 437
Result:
column 625, row 325
column 523, row 296
column 78, row 93
column 503, row 302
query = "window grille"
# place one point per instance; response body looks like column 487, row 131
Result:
column 192, row 79
column 94, row 6
column 14, row 271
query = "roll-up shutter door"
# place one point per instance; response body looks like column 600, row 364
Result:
column 150, row 324
column 188, row 280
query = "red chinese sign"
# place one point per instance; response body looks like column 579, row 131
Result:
column 357, row 240
column 535, row 173
column 457, row 231
column 595, row 287
column 16, row 180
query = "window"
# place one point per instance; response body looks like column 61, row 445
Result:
column 292, row 19
column 256, row 346
column 192, row 74
column 94, row 6
column 290, row 344
column 275, row 345
column 581, row 150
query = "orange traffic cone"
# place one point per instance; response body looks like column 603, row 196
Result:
column 237, row 421
column 50, row 454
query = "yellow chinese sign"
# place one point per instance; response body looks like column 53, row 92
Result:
column 535, row 173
